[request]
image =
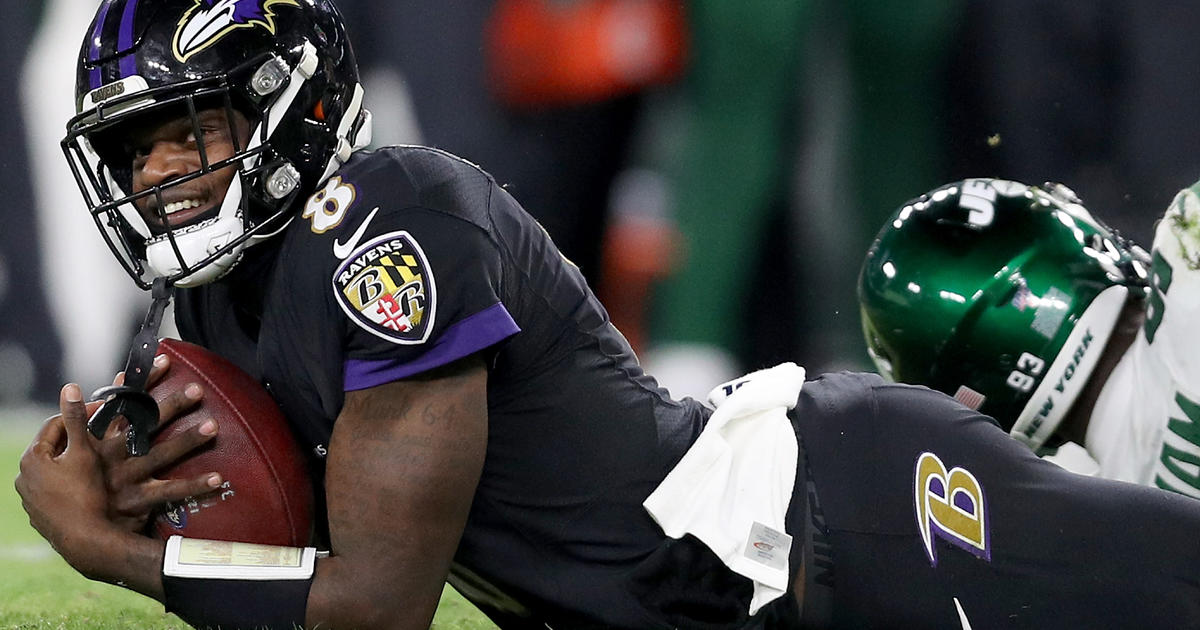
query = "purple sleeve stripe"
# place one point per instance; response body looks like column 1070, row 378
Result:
column 470, row 335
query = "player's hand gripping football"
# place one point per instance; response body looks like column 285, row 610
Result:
column 133, row 491
column 63, row 488
column 74, row 486
column 61, row 483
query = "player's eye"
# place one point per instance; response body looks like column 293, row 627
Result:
column 209, row 132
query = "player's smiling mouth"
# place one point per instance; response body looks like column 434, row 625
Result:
column 180, row 212
column 176, row 206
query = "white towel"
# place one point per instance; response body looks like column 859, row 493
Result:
column 732, row 488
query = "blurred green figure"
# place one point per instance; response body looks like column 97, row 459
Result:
column 860, row 84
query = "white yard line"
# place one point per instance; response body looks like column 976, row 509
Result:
column 26, row 552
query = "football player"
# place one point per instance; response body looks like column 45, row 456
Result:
column 474, row 414
column 1021, row 304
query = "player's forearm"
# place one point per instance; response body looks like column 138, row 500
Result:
column 347, row 594
column 404, row 460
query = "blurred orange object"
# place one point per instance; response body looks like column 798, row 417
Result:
column 638, row 252
column 563, row 52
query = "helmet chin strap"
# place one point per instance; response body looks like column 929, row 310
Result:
column 1069, row 373
column 200, row 241
column 130, row 399
column 347, row 144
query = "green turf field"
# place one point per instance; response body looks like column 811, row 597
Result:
column 38, row 591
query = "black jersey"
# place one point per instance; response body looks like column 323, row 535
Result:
column 911, row 510
column 925, row 514
column 409, row 258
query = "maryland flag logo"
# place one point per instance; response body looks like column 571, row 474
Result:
column 210, row 20
column 387, row 289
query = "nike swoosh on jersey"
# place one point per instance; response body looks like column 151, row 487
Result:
column 344, row 251
column 962, row 616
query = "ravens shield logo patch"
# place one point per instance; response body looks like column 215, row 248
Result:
column 387, row 288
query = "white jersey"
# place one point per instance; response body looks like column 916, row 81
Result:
column 1146, row 424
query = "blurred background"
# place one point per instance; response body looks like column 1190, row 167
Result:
column 717, row 169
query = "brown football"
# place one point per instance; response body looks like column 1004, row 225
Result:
column 267, row 494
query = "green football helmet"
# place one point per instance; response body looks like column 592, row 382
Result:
column 1000, row 294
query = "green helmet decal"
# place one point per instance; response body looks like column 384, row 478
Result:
column 997, row 293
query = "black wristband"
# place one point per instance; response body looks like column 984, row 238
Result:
column 234, row 604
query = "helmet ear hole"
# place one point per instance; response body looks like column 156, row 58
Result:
column 319, row 111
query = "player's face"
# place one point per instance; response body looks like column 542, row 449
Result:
column 167, row 149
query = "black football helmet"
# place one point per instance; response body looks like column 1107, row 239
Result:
column 286, row 65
